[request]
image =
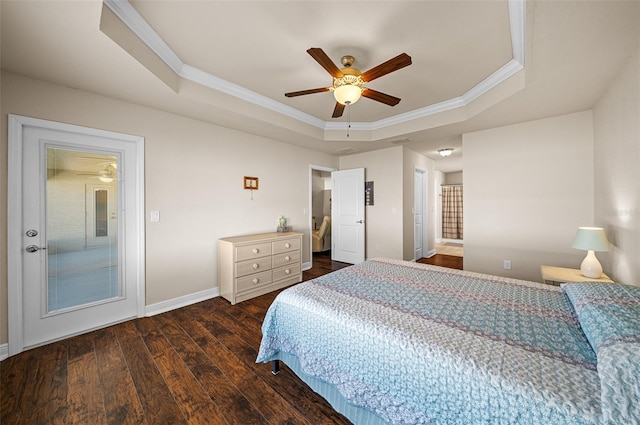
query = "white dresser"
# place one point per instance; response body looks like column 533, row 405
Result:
column 253, row 265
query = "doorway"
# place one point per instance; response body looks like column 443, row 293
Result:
column 319, row 208
column 76, row 230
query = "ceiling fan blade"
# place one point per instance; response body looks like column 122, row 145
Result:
column 338, row 110
column 381, row 97
column 387, row 67
column 321, row 57
column 310, row 91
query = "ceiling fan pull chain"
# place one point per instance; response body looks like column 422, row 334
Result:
column 348, row 117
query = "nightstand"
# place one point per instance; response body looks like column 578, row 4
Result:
column 556, row 275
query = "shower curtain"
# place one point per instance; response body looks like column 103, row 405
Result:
column 452, row 212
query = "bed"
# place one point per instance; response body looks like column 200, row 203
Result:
column 394, row 342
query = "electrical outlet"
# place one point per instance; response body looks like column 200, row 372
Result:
column 507, row 264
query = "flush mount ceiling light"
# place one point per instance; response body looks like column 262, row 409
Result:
column 444, row 152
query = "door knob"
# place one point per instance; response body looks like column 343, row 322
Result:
column 360, row 221
column 33, row 248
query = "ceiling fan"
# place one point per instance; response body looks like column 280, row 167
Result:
column 106, row 175
column 348, row 82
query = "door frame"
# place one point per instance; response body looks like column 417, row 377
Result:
column 311, row 169
column 425, row 212
column 17, row 123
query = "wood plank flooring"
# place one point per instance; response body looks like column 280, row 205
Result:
column 450, row 261
column 194, row 365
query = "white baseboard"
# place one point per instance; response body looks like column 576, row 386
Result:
column 431, row 253
column 164, row 306
column 4, row 351
column 306, row 266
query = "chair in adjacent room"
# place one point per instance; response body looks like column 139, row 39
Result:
column 322, row 237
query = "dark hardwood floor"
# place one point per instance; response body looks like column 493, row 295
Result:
column 450, row 261
column 194, row 365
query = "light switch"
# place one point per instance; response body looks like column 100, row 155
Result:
column 155, row 216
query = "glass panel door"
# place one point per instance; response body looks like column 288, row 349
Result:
column 81, row 229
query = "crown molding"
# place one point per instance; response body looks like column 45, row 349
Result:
column 136, row 23
column 211, row 81
column 132, row 19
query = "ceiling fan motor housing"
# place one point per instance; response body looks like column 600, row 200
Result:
column 351, row 76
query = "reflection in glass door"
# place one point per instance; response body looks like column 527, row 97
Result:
column 81, row 229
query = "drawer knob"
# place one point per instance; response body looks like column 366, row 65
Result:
column 287, row 271
column 256, row 250
column 256, row 266
column 287, row 245
column 287, row 258
column 256, row 281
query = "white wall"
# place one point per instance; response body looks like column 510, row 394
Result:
column 617, row 173
column 383, row 220
column 193, row 176
column 453, row 178
column 527, row 188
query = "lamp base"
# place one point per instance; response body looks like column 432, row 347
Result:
column 591, row 267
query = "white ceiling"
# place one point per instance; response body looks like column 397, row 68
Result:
column 236, row 59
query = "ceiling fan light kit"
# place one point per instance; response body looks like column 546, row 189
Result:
column 348, row 82
column 347, row 94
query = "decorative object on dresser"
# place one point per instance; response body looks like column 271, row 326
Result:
column 591, row 239
column 254, row 265
column 282, row 224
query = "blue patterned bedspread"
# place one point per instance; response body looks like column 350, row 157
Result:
column 419, row 344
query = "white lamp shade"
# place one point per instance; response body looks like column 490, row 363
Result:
column 347, row 94
column 591, row 239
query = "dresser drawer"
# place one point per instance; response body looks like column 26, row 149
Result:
column 256, row 265
column 286, row 245
column 253, row 281
column 286, row 258
column 287, row 271
column 253, row 251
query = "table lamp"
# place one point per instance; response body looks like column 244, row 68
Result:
column 591, row 239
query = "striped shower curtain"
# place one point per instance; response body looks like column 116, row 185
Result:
column 452, row 212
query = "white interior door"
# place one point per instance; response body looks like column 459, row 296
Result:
column 62, row 282
column 347, row 216
column 418, row 216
